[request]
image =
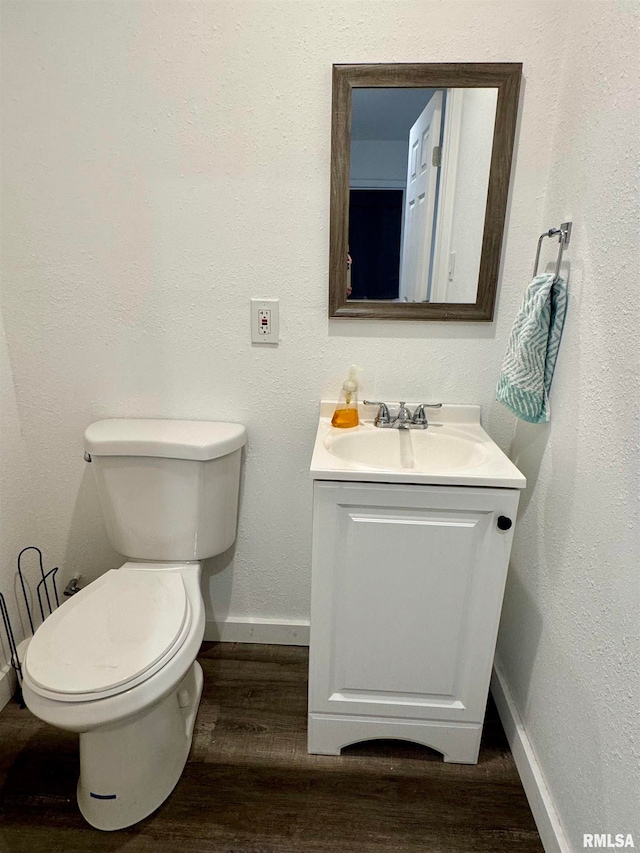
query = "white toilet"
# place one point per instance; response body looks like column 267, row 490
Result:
column 117, row 662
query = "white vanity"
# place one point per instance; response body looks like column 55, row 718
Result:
column 412, row 531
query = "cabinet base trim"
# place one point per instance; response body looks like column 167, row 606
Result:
column 458, row 742
column 388, row 697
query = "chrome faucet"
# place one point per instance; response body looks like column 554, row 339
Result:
column 419, row 419
column 404, row 419
column 383, row 418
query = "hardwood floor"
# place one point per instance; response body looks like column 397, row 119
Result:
column 250, row 786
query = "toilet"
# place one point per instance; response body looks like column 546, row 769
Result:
column 117, row 662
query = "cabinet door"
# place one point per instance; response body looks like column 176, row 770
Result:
column 406, row 598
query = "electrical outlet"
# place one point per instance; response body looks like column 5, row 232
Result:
column 265, row 321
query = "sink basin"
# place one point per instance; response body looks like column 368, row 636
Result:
column 453, row 450
column 434, row 449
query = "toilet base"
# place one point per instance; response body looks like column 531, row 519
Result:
column 129, row 769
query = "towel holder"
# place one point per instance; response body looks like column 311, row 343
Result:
column 564, row 236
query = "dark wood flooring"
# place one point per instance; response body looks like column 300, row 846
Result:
column 250, row 786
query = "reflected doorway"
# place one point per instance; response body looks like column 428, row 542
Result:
column 375, row 235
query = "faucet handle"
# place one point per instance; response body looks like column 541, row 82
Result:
column 383, row 416
column 420, row 416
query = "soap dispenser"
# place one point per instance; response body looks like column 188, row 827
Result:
column 346, row 413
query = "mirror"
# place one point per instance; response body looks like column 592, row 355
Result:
column 420, row 164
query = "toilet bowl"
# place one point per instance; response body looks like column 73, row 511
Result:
column 117, row 662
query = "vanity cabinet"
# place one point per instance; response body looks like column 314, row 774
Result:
column 407, row 587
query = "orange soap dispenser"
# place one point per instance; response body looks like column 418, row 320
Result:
column 346, row 413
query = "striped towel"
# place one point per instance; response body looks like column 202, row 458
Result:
column 527, row 369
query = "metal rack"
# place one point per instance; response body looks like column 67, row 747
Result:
column 47, row 595
column 564, row 236
column 14, row 660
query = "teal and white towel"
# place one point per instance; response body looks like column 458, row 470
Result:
column 527, row 369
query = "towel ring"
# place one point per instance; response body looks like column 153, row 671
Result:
column 564, row 236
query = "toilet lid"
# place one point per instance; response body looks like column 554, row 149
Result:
column 110, row 633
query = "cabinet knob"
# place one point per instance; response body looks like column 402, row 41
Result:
column 504, row 523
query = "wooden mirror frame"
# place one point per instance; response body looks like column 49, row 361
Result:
column 505, row 76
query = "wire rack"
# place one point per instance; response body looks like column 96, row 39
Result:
column 45, row 593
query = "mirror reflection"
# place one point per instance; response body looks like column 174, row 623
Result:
column 417, row 213
column 418, row 179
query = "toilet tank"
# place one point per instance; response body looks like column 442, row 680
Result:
column 168, row 489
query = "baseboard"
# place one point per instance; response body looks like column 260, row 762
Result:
column 269, row 631
column 7, row 684
column 542, row 807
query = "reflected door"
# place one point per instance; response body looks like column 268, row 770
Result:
column 420, row 203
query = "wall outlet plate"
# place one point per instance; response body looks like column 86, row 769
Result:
column 265, row 321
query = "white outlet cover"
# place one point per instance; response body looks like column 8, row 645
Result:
column 265, row 321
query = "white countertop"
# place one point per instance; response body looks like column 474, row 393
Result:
column 454, row 450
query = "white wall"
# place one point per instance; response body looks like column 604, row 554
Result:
column 164, row 162
column 18, row 517
column 380, row 163
column 569, row 642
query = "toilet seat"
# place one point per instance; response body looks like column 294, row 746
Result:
column 115, row 634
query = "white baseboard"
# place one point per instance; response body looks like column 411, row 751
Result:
column 542, row 807
column 7, row 684
column 270, row 631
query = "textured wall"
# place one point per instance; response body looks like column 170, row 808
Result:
column 164, row 162
column 18, row 515
column 569, row 640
